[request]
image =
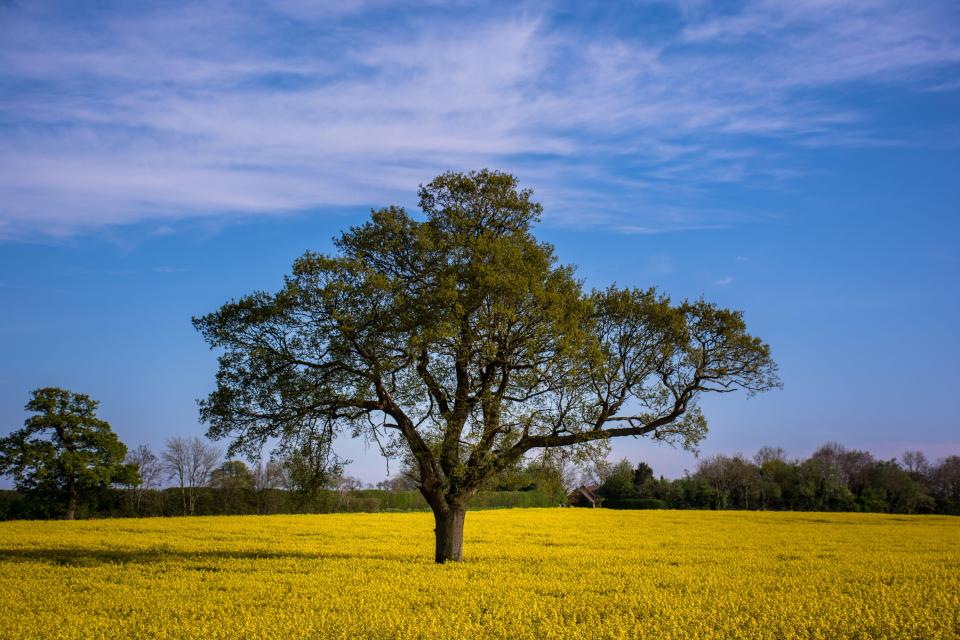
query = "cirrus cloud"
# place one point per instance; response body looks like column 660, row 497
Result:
column 164, row 112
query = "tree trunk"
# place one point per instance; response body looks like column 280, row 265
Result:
column 449, row 534
column 71, row 502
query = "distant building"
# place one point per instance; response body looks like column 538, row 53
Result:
column 584, row 496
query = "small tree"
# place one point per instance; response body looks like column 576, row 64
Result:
column 772, row 469
column 149, row 472
column 64, row 449
column 619, row 482
column 235, row 481
column 232, row 475
column 190, row 461
column 915, row 462
column 944, row 481
column 309, row 468
column 460, row 341
column 715, row 471
column 267, row 476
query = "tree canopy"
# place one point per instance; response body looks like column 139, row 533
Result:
column 458, row 340
column 64, row 449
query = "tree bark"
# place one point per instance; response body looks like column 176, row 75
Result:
column 449, row 534
column 72, row 495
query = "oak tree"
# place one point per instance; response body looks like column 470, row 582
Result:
column 456, row 339
column 64, row 449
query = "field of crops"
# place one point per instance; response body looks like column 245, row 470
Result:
column 536, row 573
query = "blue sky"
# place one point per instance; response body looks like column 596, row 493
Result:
column 797, row 160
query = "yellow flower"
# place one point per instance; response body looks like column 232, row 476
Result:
column 534, row 573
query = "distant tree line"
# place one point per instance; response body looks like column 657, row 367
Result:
column 206, row 484
column 67, row 463
column 832, row 479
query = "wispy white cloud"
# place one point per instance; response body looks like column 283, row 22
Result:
column 724, row 281
column 649, row 231
column 661, row 264
column 211, row 109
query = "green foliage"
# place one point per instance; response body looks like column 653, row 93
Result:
column 945, row 485
column 459, row 342
column 311, row 467
column 618, row 483
column 832, row 479
column 64, row 451
column 236, row 484
column 625, row 482
column 767, row 483
column 232, row 475
column 542, row 476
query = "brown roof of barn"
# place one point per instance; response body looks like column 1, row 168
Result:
column 584, row 495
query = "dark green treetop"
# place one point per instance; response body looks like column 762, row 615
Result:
column 64, row 449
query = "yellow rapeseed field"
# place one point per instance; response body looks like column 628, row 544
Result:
column 537, row 573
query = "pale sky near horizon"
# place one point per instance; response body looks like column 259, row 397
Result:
column 796, row 160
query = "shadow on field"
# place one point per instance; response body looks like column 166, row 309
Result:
column 73, row 557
